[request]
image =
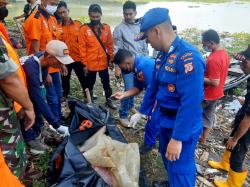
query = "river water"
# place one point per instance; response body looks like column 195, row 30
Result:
column 230, row 17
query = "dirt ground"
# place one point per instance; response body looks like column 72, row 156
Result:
column 152, row 162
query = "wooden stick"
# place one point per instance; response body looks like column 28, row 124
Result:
column 19, row 28
column 88, row 95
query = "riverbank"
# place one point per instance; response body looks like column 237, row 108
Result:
column 233, row 42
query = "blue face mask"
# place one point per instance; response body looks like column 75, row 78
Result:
column 205, row 48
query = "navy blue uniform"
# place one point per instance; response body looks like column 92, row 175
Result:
column 144, row 68
column 177, row 85
column 35, row 78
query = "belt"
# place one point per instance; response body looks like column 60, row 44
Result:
column 168, row 112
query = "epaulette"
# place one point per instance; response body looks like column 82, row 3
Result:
column 85, row 24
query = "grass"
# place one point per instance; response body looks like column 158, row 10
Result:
column 233, row 43
column 152, row 162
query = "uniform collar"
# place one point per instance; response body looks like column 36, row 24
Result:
column 94, row 27
column 136, row 22
column 71, row 22
column 136, row 64
column 43, row 12
column 174, row 44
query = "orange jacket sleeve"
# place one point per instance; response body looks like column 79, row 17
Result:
column 110, row 45
column 33, row 27
column 5, row 32
column 83, row 45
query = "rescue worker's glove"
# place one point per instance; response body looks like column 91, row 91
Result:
column 63, row 130
column 134, row 119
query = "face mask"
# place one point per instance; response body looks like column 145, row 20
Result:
column 205, row 48
column 51, row 9
column 95, row 22
column 3, row 13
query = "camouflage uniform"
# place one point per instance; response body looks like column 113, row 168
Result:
column 11, row 140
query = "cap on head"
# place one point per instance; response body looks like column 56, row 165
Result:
column 3, row 3
column 246, row 53
column 151, row 18
column 59, row 50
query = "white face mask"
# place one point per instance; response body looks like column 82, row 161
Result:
column 51, row 9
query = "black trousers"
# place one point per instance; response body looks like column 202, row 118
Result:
column 78, row 68
column 104, row 75
column 239, row 152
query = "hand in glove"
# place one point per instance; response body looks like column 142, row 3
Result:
column 63, row 130
column 134, row 119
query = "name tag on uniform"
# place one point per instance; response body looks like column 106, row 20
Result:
column 170, row 69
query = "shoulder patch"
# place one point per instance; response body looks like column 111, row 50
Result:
column 186, row 55
column 189, row 67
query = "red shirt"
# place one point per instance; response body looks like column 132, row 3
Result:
column 217, row 65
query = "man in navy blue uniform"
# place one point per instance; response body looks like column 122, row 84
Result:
column 143, row 70
column 36, row 71
column 177, row 85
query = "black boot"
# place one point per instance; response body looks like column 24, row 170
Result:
column 160, row 184
column 144, row 148
column 110, row 104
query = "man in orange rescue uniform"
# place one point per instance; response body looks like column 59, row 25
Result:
column 96, row 50
column 69, row 35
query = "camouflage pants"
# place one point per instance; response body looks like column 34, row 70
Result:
column 11, row 140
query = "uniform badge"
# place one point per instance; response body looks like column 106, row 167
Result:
column 54, row 27
column 171, row 61
column 189, row 67
column 140, row 76
column 171, row 88
column 170, row 69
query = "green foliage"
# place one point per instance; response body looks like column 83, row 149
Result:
column 240, row 42
column 234, row 42
column 42, row 162
column 237, row 91
column 39, row 183
column 83, row 19
column 193, row 36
